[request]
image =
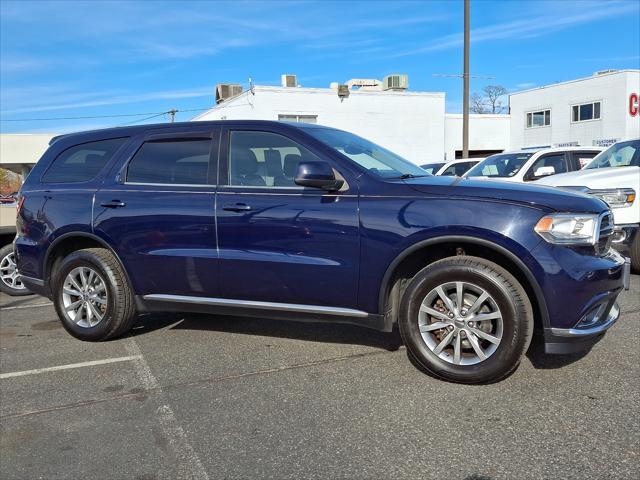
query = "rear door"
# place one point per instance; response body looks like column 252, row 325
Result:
column 279, row 242
column 157, row 210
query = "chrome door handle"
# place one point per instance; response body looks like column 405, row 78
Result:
column 238, row 207
column 113, row 204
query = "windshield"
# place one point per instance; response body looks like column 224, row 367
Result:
column 432, row 168
column 621, row 154
column 500, row 166
column 374, row 158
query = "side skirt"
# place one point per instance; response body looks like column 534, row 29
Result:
column 249, row 308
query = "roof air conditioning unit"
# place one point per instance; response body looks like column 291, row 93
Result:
column 396, row 82
column 225, row 91
column 289, row 81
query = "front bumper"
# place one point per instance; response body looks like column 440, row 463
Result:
column 581, row 291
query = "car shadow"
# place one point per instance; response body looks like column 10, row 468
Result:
column 308, row 331
column 544, row 361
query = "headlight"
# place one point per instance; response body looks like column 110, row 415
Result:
column 569, row 228
column 616, row 197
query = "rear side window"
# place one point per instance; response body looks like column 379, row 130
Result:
column 171, row 162
column 82, row 162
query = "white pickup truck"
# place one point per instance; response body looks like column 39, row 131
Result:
column 614, row 176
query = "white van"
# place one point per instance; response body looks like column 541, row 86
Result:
column 614, row 176
column 532, row 164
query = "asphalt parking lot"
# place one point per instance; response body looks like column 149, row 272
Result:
column 217, row 397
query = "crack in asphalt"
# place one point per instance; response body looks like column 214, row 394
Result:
column 193, row 383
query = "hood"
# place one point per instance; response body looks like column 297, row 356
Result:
column 540, row 196
column 596, row 178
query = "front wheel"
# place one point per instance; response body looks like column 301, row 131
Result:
column 92, row 295
column 466, row 320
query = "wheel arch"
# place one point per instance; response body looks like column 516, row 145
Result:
column 71, row 242
column 422, row 253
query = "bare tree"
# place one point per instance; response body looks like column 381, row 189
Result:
column 494, row 94
column 477, row 104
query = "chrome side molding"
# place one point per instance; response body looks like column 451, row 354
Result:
column 286, row 307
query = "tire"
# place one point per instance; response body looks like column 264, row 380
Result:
column 114, row 302
column 635, row 254
column 508, row 319
column 9, row 282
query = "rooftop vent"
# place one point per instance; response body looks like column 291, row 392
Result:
column 604, row 72
column 365, row 84
column 225, row 91
column 289, row 81
column 396, row 81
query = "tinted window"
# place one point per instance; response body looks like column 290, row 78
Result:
column 263, row 159
column 458, row 169
column 177, row 162
column 584, row 157
column 82, row 162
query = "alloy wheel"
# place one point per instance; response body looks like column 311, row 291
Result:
column 84, row 297
column 9, row 272
column 461, row 323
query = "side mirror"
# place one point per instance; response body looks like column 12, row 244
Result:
column 317, row 175
column 544, row 171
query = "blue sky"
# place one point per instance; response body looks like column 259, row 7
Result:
column 87, row 58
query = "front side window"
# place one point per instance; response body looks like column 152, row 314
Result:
column 547, row 165
column 374, row 158
column 541, row 118
column 585, row 112
column 264, row 159
column 171, row 162
column 502, row 165
column 82, row 162
column 622, row 154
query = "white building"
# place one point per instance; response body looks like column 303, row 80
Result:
column 597, row 110
column 19, row 152
column 412, row 124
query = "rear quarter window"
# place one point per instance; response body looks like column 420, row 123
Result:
column 83, row 162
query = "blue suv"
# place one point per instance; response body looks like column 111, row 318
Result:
column 305, row 222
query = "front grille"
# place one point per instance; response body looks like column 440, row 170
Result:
column 605, row 235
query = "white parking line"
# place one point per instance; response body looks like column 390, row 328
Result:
column 69, row 366
column 189, row 464
column 27, row 306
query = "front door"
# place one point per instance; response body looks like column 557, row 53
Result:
column 157, row 210
column 279, row 242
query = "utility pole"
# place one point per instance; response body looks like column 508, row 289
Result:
column 465, row 78
column 173, row 114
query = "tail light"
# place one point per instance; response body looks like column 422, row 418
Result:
column 19, row 205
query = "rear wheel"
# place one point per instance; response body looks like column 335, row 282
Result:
column 92, row 295
column 10, row 282
column 466, row 320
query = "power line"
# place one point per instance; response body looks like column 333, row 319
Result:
column 155, row 114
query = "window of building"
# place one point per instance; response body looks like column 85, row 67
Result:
column 298, row 118
column 264, row 159
column 585, row 112
column 172, row 162
column 82, row 162
column 539, row 119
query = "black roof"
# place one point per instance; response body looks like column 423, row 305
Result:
column 136, row 129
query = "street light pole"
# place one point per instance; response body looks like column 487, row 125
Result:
column 465, row 77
